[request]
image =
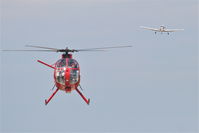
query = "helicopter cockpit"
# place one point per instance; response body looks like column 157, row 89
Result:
column 74, row 71
column 61, row 63
column 64, row 64
column 60, row 73
column 72, row 63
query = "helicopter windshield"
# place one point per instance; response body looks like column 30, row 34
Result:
column 60, row 76
column 74, row 72
column 74, row 76
column 72, row 63
column 61, row 63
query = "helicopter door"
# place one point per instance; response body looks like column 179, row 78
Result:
column 74, row 76
column 60, row 76
column 74, row 71
column 60, row 73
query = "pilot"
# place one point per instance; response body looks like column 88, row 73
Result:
column 73, row 65
column 62, row 63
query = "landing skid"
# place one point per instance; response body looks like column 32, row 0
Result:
column 48, row 100
column 84, row 98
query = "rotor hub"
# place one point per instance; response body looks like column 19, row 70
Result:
column 66, row 55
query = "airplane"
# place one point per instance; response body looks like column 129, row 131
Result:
column 161, row 29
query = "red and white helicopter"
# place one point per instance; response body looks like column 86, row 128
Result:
column 66, row 69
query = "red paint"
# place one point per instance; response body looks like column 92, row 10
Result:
column 86, row 100
column 45, row 64
column 47, row 101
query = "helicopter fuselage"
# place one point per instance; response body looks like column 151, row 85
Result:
column 67, row 74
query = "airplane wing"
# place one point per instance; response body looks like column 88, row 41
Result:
column 173, row 30
column 148, row 28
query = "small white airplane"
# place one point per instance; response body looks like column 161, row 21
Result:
column 161, row 29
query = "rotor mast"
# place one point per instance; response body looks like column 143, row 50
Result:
column 66, row 53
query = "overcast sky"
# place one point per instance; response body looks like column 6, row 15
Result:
column 151, row 87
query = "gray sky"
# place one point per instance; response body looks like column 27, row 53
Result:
column 151, row 87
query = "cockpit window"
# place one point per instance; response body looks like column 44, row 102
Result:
column 74, row 76
column 72, row 63
column 60, row 76
column 61, row 63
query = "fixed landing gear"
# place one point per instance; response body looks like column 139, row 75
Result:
column 83, row 97
column 48, row 100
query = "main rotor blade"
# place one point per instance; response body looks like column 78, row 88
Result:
column 89, row 50
column 33, row 46
column 103, row 48
column 25, row 50
column 59, row 50
column 48, row 49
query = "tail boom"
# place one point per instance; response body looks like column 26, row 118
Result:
column 45, row 64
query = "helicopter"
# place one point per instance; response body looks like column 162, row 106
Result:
column 66, row 69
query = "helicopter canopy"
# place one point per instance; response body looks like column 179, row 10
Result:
column 61, row 63
column 71, row 63
column 73, row 67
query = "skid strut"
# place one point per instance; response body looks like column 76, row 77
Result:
column 47, row 101
column 86, row 100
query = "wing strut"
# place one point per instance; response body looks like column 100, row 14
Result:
column 86, row 100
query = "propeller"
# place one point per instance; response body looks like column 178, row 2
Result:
column 66, row 50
